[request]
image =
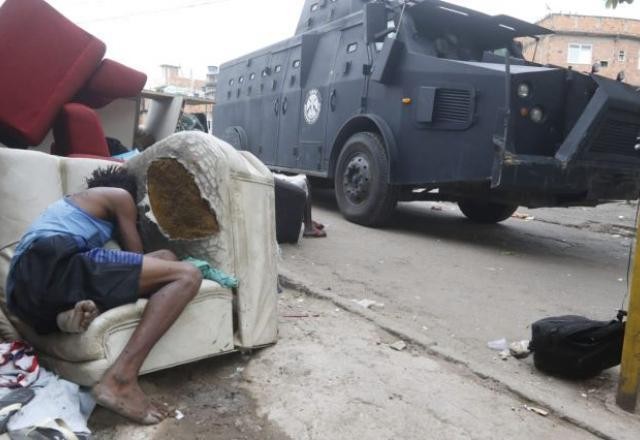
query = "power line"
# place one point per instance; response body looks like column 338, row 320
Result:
column 156, row 11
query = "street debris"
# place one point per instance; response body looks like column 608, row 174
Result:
column 519, row 349
column 522, row 216
column 303, row 315
column 179, row 415
column 539, row 411
column 398, row 346
column 367, row 303
column 498, row 345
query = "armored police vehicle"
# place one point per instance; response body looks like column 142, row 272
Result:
column 424, row 100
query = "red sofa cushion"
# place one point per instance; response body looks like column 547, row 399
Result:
column 110, row 81
column 45, row 59
column 78, row 131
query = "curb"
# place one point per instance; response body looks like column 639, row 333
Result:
column 432, row 348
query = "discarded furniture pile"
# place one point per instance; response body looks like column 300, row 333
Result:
column 53, row 78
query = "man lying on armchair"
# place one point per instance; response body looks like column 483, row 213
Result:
column 62, row 278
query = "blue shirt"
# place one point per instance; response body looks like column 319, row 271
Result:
column 63, row 218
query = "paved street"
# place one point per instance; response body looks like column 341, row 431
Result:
column 455, row 285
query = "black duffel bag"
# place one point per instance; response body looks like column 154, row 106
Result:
column 575, row 347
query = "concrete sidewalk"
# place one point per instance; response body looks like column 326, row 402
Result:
column 586, row 405
column 334, row 376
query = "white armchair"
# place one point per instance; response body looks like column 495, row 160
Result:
column 236, row 207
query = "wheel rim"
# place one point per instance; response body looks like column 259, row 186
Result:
column 356, row 179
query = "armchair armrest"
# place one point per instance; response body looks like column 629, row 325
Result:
column 200, row 197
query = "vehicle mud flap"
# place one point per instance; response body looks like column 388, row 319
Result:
column 500, row 147
column 498, row 162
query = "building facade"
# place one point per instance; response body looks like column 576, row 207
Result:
column 211, row 86
column 581, row 41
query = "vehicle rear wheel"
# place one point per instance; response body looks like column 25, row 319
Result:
column 361, row 181
column 486, row 212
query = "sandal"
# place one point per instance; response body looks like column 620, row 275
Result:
column 48, row 430
column 315, row 233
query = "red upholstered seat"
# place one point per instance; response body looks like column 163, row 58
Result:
column 45, row 59
column 110, row 81
column 78, row 131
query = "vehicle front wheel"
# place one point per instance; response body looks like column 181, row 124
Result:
column 486, row 212
column 362, row 186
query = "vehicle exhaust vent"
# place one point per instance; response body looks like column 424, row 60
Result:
column 617, row 137
column 453, row 106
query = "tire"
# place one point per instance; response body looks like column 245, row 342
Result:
column 486, row 212
column 236, row 137
column 361, row 181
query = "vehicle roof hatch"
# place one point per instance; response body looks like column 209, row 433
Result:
column 462, row 20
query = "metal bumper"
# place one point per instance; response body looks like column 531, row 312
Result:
column 600, row 157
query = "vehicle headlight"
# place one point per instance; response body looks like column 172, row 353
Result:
column 524, row 90
column 537, row 115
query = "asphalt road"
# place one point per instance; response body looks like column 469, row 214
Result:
column 461, row 285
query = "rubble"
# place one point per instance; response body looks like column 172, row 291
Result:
column 398, row 346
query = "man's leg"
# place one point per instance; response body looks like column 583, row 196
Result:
column 311, row 228
column 78, row 319
column 172, row 285
column 163, row 254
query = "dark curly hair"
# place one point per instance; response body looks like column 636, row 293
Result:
column 114, row 177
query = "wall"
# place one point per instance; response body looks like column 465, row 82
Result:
column 608, row 36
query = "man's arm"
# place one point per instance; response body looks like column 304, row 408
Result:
column 125, row 213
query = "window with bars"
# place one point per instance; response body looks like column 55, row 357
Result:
column 579, row 53
column 622, row 56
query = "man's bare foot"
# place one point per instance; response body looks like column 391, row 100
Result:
column 127, row 399
column 78, row 319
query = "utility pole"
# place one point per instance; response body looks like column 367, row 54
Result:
column 629, row 387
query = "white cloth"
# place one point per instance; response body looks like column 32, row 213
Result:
column 55, row 399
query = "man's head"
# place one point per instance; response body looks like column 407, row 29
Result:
column 114, row 177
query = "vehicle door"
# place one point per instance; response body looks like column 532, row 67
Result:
column 290, row 115
column 271, row 81
column 348, row 81
column 252, row 113
column 315, row 102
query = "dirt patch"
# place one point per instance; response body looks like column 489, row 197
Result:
column 177, row 203
column 210, row 396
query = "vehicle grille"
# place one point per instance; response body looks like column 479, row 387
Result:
column 453, row 105
column 617, row 137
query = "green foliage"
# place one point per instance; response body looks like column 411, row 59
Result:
column 614, row 3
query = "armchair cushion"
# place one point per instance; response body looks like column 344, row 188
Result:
column 46, row 59
column 110, row 81
column 78, row 131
